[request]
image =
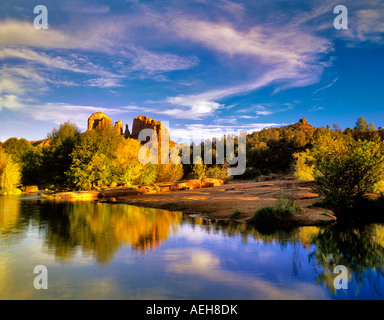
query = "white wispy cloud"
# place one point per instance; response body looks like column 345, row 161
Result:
column 234, row 8
column 18, row 80
column 327, row 86
column 15, row 33
column 61, row 112
column 198, row 132
column 316, row 108
column 69, row 62
column 290, row 57
column 289, row 45
column 72, row 48
column 368, row 25
column 56, row 112
column 195, row 107
column 84, row 8
column 258, row 110
column 164, row 62
column 111, row 82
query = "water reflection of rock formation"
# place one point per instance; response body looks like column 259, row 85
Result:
column 100, row 230
column 96, row 229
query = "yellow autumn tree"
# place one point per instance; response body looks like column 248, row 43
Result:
column 127, row 169
column 303, row 167
column 10, row 172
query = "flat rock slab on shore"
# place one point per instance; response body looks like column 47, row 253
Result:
column 221, row 201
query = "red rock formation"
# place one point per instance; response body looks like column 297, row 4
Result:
column 98, row 120
column 119, row 127
column 127, row 134
column 143, row 122
column 303, row 125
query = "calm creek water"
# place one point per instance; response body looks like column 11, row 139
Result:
column 114, row 251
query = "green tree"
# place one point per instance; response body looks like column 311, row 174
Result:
column 362, row 124
column 102, row 158
column 366, row 131
column 17, row 148
column 32, row 167
column 346, row 169
column 92, row 158
column 28, row 157
column 57, row 158
column 67, row 134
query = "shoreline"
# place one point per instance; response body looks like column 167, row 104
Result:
column 214, row 199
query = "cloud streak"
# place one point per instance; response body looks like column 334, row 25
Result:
column 198, row 132
column 289, row 58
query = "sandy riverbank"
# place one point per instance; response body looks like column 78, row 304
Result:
column 219, row 201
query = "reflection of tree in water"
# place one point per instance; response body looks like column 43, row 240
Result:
column 281, row 236
column 13, row 227
column 10, row 214
column 100, row 230
column 360, row 249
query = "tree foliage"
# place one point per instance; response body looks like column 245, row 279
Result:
column 10, row 171
column 169, row 172
column 273, row 149
column 57, row 159
column 199, row 169
column 303, row 167
column 102, row 158
column 17, row 148
column 346, row 169
column 92, row 158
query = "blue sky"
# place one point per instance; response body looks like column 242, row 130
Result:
column 201, row 66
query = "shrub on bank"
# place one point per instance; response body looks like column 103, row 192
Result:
column 236, row 214
column 218, row 172
column 169, row 172
column 285, row 208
